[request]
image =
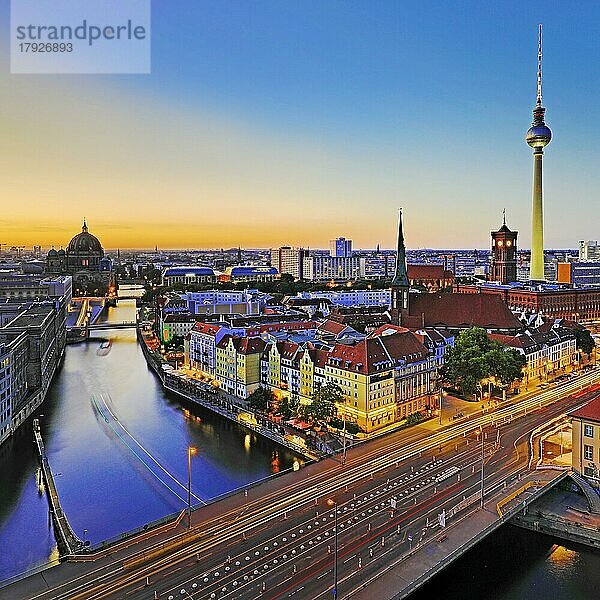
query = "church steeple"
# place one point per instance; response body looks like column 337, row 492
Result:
column 400, row 283
column 400, row 275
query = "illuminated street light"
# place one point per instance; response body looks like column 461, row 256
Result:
column 191, row 451
column 442, row 394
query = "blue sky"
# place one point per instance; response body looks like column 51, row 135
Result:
column 273, row 122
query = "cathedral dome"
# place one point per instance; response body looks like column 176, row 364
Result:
column 84, row 242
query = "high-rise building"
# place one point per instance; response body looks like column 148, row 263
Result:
column 322, row 267
column 288, row 260
column 340, row 247
column 538, row 136
column 504, row 254
column 589, row 251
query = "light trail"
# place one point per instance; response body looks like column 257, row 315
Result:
column 102, row 410
column 154, row 460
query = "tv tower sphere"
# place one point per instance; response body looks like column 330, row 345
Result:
column 538, row 135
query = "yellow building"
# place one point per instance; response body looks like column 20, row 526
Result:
column 586, row 441
column 383, row 378
column 238, row 361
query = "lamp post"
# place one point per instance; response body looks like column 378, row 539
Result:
column 332, row 502
column 344, row 431
column 191, row 451
column 481, row 504
column 442, row 394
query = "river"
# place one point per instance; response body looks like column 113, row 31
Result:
column 513, row 564
column 108, row 481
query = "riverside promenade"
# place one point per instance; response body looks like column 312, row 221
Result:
column 228, row 406
column 67, row 540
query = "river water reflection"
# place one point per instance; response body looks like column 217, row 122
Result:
column 107, row 480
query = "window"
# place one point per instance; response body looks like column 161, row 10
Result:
column 588, row 430
column 588, row 452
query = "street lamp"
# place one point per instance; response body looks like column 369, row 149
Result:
column 332, row 502
column 191, row 451
column 482, row 474
column 442, row 394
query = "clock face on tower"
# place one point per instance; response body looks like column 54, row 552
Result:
column 500, row 243
column 508, row 243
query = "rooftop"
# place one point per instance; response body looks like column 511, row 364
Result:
column 190, row 271
column 589, row 412
column 463, row 310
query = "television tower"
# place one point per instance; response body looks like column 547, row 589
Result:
column 538, row 136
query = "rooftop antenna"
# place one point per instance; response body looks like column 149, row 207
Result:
column 539, row 72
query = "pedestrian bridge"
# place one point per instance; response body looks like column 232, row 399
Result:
column 112, row 325
column 104, row 326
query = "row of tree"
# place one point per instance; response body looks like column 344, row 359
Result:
column 322, row 408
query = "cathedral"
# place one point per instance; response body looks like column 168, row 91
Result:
column 84, row 260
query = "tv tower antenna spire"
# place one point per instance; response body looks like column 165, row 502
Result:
column 539, row 71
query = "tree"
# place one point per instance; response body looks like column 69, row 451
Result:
column 288, row 407
column 475, row 357
column 414, row 418
column 304, row 413
column 324, row 400
column 505, row 365
column 261, row 399
column 585, row 341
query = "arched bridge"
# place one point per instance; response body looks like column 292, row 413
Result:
column 113, row 325
column 103, row 326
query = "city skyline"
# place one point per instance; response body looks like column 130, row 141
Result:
column 327, row 137
column 287, row 307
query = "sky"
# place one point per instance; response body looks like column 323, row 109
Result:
column 266, row 123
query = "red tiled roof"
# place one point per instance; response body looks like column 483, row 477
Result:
column 243, row 345
column 378, row 353
column 388, row 329
column 281, row 326
column 463, row 310
column 514, row 341
column 206, row 328
column 224, row 341
column 433, row 272
column 249, row 345
column 334, row 327
column 589, row 412
column 287, row 349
